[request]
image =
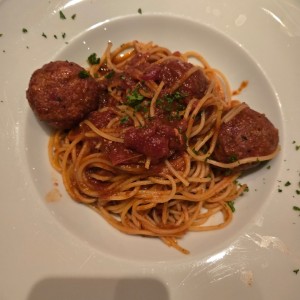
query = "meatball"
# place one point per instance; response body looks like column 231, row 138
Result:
column 61, row 94
column 248, row 134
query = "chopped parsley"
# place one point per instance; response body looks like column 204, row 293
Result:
column 233, row 158
column 159, row 102
column 124, row 119
column 134, row 98
column 297, row 147
column 231, row 205
column 83, row 74
column 63, row 35
column 61, row 15
column 279, row 190
column 175, row 96
column 73, row 17
column 141, row 107
column 171, row 102
column 55, row 36
column 204, row 150
column 44, row 35
column 140, row 11
column 24, row 30
column 268, row 167
column 1, row 34
column 195, row 151
column 287, row 183
column 110, row 74
column 296, row 271
column 296, row 208
column 298, row 192
column 93, row 59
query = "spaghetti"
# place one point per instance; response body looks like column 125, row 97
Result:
column 144, row 161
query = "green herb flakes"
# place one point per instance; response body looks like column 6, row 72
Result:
column 73, row 17
column 298, row 192
column 140, row 107
column 287, row 183
column 44, row 35
column 296, row 271
column 83, row 74
column 24, row 30
column 296, row 208
column 231, row 205
column 140, row 11
column 171, row 103
column 134, row 98
column 170, row 98
column 93, row 59
column 110, row 74
column 124, row 119
column 63, row 35
column 195, row 151
column 61, row 15
column 233, row 158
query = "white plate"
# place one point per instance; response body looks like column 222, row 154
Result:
column 61, row 250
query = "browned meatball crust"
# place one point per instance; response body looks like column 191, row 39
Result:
column 61, row 94
column 248, row 134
